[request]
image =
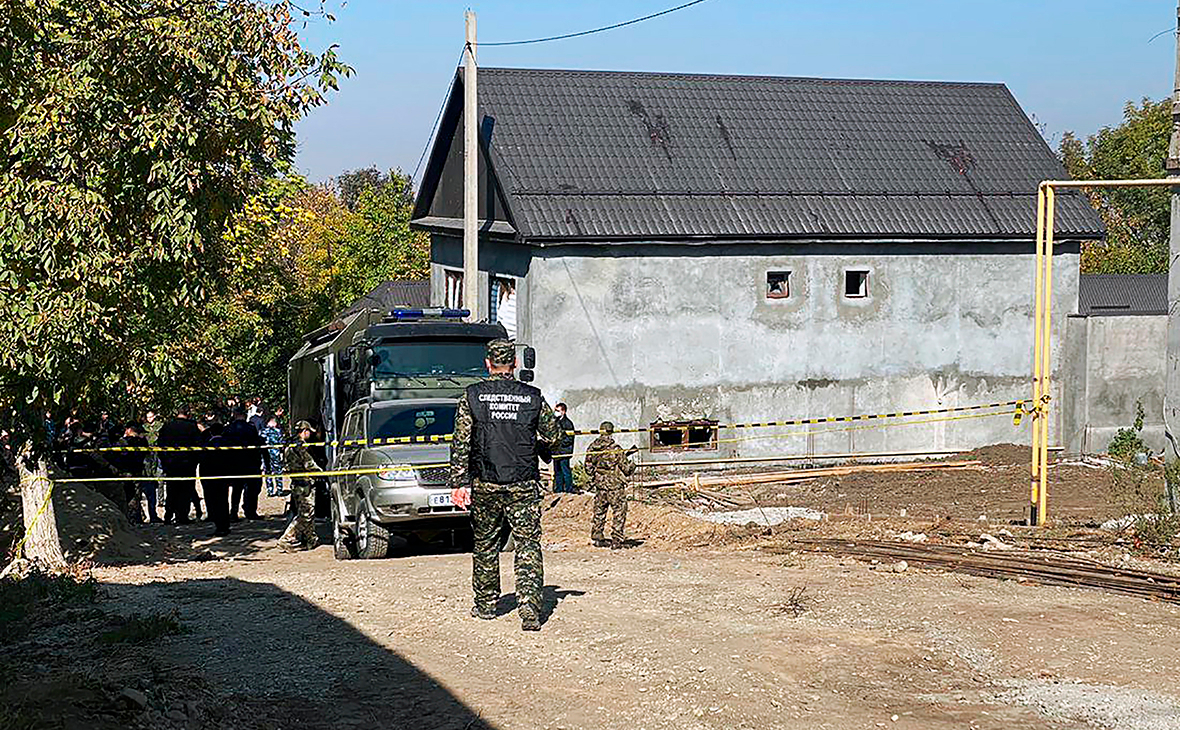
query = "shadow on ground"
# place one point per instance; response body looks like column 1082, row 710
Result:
column 550, row 597
column 247, row 655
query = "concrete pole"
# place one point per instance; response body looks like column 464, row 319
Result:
column 470, row 176
column 1172, row 369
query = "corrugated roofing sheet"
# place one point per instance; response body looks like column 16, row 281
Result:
column 622, row 155
column 1116, row 294
column 391, row 294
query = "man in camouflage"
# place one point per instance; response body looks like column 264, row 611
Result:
column 608, row 467
column 300, row 534
column 494, row 470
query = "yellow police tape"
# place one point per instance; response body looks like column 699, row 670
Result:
column 394, row 440
column 16, row 551
column 411, row 467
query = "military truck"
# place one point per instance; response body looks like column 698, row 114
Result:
column 383, row 388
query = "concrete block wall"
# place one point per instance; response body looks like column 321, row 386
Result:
column 1112, row 363
column 640, row 333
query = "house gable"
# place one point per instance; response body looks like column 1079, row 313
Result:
column 439, row 206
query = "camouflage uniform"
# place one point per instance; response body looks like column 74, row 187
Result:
column 518, row 504
column 301, row 532
column 608, row 467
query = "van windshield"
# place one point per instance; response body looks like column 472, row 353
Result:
column 429, row 358
column 410, row 420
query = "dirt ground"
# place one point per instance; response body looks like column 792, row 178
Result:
column 694, row 628
column 997, row 489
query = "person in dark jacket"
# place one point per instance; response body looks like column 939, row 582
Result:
column 181, row 466
column 246, row 462
column 216, row 463
column 498, row 423
column 132, row 464
column 563, row 451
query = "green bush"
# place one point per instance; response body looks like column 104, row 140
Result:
column 581, row 478
column 1128, row 442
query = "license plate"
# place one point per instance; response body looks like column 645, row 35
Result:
column 441, row 500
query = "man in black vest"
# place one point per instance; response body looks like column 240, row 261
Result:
column 494, row 470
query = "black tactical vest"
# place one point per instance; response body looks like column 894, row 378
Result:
column 505, row 413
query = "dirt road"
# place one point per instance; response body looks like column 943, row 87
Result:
column 649, row 638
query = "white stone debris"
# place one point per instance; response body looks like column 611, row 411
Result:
column 990, row 542
column 760, row 516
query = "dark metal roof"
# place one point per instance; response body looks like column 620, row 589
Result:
column 1119, row 294
column 390, row 294
column 595, row 155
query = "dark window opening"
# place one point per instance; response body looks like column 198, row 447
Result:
column 856, row 284
column 677, row 435
column 426, row 357
column 778, row 284
column 396, row 421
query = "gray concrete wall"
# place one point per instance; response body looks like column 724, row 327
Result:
column 638, row 333
column 1115, row 362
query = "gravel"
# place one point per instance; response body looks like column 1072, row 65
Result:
column 759, row 516
column 1105, row 706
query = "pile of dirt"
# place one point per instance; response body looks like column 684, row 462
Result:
column 566, row 519
column 90, row 526
column 93, row 529
column 998, row 455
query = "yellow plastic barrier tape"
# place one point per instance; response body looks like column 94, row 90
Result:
column 411, row 467
column 394, row 440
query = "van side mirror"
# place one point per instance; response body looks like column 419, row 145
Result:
column 530, row 358
column 344, row 360
column 526, row 376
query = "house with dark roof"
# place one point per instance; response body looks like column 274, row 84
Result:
column 688, row 249
column 1114, row 360
column 391, row 294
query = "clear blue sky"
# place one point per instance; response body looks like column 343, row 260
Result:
column 1072, row 64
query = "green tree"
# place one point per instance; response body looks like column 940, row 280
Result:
column 305, row 256
column 131, row 135
column 1137, row 220
column 377, row 244
column 349, row 185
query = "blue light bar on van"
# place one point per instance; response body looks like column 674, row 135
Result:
column 403, row 315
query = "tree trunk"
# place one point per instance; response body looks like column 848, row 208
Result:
column 41, row 542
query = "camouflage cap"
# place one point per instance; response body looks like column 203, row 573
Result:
column 304, row 426
column 606, row 427
column 501, row 352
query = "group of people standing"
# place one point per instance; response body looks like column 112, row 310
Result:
column 230, row 478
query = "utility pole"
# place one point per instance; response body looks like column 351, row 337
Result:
column 1172, row 365
column 470, row 176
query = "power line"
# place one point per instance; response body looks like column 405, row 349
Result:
column 595, row 30
column 1162, row 32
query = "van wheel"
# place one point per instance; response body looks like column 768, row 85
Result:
column 372, row 540
column 342, row 546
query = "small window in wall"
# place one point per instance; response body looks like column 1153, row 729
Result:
column 856, row 284
column 778, row 284
column 682, row 435
column 502, row 303
column 453, row 289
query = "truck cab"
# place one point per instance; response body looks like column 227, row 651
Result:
column 384, row 389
